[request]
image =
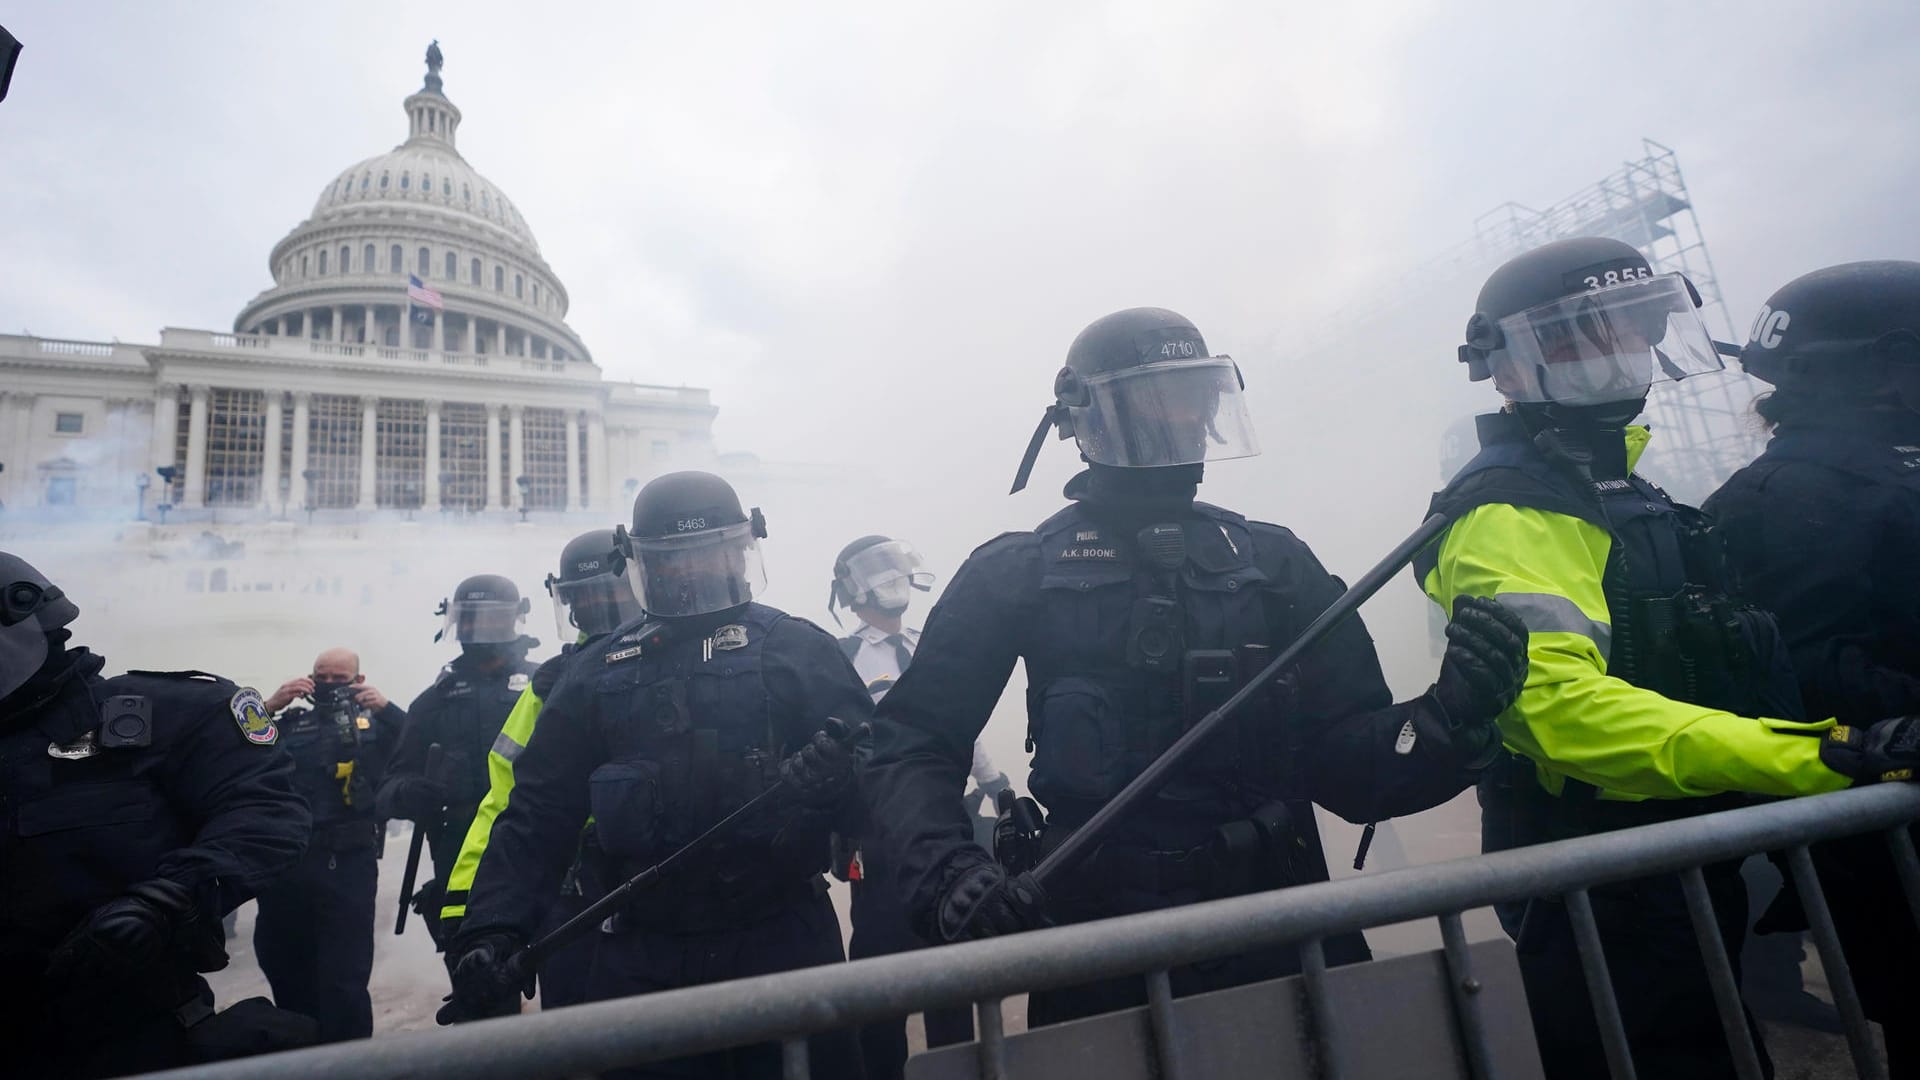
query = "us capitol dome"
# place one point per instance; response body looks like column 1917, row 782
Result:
column 412, row 354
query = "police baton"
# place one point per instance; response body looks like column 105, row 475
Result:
column 529, row 959
column 413, row 850
column 1081, row 842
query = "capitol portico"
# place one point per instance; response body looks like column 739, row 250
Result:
column 339, row 389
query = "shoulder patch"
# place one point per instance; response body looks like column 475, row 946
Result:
column 518, row 681
column 250, row 712
column 731, row 636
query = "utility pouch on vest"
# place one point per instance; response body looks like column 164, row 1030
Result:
column 1208, row 678
column 1256, row 853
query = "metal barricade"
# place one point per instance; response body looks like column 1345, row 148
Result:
column 786, row 1007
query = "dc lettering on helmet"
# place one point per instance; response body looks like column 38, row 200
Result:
column 1768, row 327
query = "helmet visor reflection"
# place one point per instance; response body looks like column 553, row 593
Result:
column 592, row 606
column 483, row 622
column 1165, row 414
column 871, row 568
column 1607, row 345
column 698, row 573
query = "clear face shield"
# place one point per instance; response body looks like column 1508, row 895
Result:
column 483, row 622
column 1179, row 413
column 1606, row 345
column 592, row 606
column 697, row 573
column 886, row 575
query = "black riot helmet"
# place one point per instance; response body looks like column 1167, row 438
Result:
column 485, row 609
column 1585, row 321
column 692, row 549
column 591, row 594
column 30, row 608
column 1140, row 391
column 1849, row 331
column 877, row 572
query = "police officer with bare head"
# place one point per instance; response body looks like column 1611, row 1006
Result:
column 134, row 812
column 658, row 731
column 438, row 774
column 314, row 933
column 1137, row 610
column 1824, row 530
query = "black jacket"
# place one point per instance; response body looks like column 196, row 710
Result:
column 1824, row 529
column 1063, row 599
column 659, row 734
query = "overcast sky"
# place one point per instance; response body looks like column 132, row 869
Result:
column 873, row 230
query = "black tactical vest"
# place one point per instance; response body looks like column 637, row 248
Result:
column 1677, row 628
column 1100, row 709
column 689, row 732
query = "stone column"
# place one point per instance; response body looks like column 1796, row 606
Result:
column 500, row 339
column 369, row 452
column 20, row 453
column 196, row 493
column 297, row 487
column 370, row 325
column 598, row 486
column 334, row 331
column 270, row 455
column 166, row 424
column 432, row 486
column 516, row 452
column 493, row 457
column 573, row 460
column 440, row 331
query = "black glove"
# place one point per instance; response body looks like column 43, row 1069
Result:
column 418, row 799
column 127, row 938
column 485, row 982
column 981, row 901
column 1485, row 665
column 821, row 771
column 1888, row 750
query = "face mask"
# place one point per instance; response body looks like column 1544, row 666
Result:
column 892, row 597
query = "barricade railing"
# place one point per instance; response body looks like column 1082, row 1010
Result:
column 786, row 1007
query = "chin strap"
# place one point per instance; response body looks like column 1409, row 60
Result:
column 1048, row 420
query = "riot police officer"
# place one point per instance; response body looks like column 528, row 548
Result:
column 1655, row 691
column 1823, row 529
column 591, row 598
column 139, row 810
column 461, row 713
column 1137, row 610
column 658, row 731
column 314, row 932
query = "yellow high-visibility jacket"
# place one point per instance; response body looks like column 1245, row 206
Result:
column 1573, row 719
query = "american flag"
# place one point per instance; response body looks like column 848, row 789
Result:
column 421, row 292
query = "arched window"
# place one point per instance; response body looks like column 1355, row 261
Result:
column 499, row 279
column 366, row 260
column 323, row 262
column 405, row 179
column 483, row 200
column 518, row 282
column 424, row 259
column 475, row 269
column 365, row 179
column 426, row 183
column 536, row 294
column 383, row 181
column 394, row 259
column 303, row 266
column 453, row 267
column 346, row 258
column 446, row 187
column 466, row 192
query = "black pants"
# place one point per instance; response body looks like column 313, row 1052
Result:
column 640, row 960
column 881, row 928
column 1879, row 938
column 314, row 940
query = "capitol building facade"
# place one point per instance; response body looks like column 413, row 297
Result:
column 412, row 355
